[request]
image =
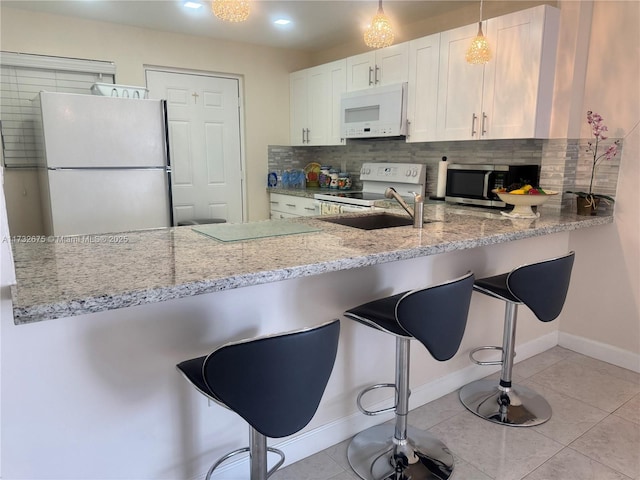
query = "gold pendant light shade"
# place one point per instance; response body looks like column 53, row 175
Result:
column 231, row 10
column 380, row 33
column 479, row 51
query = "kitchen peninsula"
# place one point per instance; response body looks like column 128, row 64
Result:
column 86, row 274
column 121, row 314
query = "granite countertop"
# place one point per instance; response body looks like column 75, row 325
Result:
column 66, row 276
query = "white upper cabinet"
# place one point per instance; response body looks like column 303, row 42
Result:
column 518, row 87
column 422, row 103
column 315, row 104
column 337, row 80
column 509, row 97
column 384, row 66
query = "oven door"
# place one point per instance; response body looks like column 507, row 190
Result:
column 336, row 208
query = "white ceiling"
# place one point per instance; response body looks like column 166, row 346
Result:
column 316, row 25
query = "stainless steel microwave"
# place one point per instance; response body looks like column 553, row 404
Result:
column 374, row 112
column 473, row 184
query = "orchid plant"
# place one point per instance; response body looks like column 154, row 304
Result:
column 599, row 132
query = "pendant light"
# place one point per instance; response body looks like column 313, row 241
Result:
column 379, row 34
column 231, row 10
column 479, row 51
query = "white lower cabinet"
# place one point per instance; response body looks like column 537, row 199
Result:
column 287, row 206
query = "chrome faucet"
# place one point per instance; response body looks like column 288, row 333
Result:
column 418, row 206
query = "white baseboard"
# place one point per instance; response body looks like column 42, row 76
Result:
column 308, row 443
column 601, row 351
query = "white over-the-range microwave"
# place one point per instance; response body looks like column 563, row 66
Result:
column 374, row 112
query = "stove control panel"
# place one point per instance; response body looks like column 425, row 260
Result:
column 413, row 173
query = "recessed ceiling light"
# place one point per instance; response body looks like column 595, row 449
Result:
column 191, row 4
column 282, row 21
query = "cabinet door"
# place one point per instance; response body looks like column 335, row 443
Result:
column 392, row 64
column 422, row 103
column 317, row 105
column 459, row 87
column 287, row 206
column 518, row 82
column 360, row 71
column 337, row 84
column 298, row 111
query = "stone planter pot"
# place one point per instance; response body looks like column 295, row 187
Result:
column 587, row 205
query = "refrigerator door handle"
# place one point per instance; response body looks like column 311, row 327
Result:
column 165, row 122
column 91, row 169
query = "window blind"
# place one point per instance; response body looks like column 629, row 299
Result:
column 22, row 77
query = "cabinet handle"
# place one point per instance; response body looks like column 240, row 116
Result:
column 408, row 128
column 308, row 135
column 376, row 75
column 303, row 135
column 290, row 205
column 473, row 124
column 370, row 73
column 484, row 118
column 312, row 209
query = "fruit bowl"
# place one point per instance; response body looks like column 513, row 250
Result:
column 522, row 203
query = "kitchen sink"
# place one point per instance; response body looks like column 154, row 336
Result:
column 373, row 221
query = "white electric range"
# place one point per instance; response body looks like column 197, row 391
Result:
column 405, row 178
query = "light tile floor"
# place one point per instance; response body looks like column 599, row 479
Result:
column 594, row 433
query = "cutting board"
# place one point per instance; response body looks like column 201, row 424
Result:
column 234, row 232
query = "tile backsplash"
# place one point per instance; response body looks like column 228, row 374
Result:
column 565, row 165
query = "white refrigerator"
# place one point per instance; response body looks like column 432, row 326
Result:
column 105, row 164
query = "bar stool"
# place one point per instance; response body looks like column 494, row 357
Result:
column 436, row 316
column 274, row 382
column 543, row 288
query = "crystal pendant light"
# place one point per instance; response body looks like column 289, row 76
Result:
column 379, row 34
column 479, row 51
column 231, row 10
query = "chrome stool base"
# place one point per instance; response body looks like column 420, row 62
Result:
column 372, row 454
column 518, row 407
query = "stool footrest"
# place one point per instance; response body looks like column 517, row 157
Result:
column 229, row 455
column 375, row 387
column 482, row 362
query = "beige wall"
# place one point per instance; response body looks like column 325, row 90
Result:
column 604, row 76
column 265, row 73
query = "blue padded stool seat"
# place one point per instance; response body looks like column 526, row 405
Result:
column 497, row 285
column 275, row 383
column 543, row 288
column 435, row 316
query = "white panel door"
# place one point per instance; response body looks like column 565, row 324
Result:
column 459, row 87
column 360, row 70
column 512, row 78
column 299, row 110
column 392, row 64
column 318, row 104
column 204, row 144
column 337, row 78
column 422, row 104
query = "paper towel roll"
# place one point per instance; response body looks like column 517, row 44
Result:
column 441, row 186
